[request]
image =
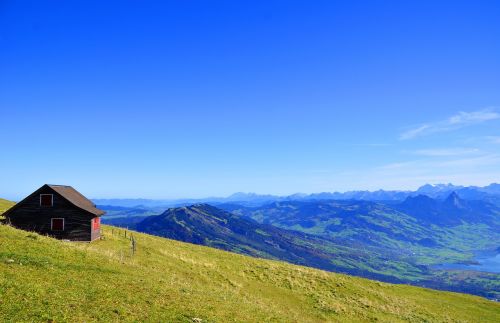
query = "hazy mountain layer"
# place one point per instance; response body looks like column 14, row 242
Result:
column 489, row 193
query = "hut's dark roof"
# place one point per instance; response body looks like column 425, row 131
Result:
column 76, row 198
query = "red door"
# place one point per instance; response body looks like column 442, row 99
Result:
column 96, row 223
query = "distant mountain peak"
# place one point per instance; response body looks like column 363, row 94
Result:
column 455, row 201
column 425, row 186
column 420, row 198
column 242, row 196
column 436, row 188
column 492, row 188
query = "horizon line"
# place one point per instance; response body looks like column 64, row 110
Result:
column 287, row 195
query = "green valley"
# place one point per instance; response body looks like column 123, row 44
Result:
column 398, row 235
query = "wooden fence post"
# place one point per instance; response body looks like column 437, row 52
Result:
column 133, row 245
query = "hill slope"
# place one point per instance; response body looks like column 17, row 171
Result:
column 5, row 205
column 42, row 279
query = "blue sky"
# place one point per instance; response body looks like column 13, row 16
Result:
column 205, row 98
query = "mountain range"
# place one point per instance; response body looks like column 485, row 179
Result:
column 439, row 191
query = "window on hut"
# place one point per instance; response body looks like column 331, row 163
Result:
column 46, row 200
column 57, row 224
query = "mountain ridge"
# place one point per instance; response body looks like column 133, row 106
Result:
column 207, row 225
column 440, row 191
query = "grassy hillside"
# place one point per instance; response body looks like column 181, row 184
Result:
column 5, row 205
column 42, row 279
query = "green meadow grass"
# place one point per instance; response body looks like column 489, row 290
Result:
column 5, row 205
column 43, row 279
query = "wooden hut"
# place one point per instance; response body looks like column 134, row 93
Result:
column 59, row 211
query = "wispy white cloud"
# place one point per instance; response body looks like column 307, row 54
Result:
column 493, row 139
column 477, row 169
column 468, row 118
column 458, row 121
column 470, row 162
column 369, row 145
column 415, row 132
column 398, row 165
column 446, row 152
